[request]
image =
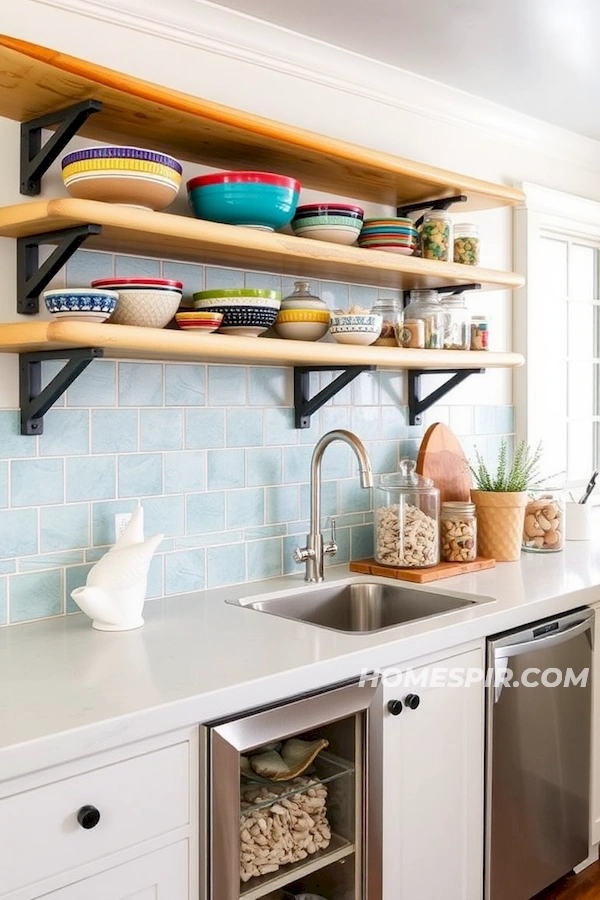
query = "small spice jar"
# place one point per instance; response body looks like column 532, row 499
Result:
column 391, row 311
column 457, row 322
column 407, row 519
column 423, row 321
column 479, row 333
column 466, row 244
column 458, row 531
column 435, row 236
column 543, row 527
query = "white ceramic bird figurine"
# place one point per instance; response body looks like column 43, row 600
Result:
column 115, row 590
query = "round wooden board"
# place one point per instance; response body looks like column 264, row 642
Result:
column 441, row 458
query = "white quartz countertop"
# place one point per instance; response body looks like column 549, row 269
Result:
column 67, row 690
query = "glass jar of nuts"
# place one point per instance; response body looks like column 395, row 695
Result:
column 435, row 236
column 458, row 531
column 543, row 528
column 407, row 519
column 466, row 244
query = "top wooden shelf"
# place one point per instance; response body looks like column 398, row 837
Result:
column 37, row 81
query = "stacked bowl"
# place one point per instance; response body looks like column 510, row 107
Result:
column 198, row 320
column 247, row 312
column 257, row 199
column 149, row 302
column 396, row 235
column 338, row 223
column 130, row 176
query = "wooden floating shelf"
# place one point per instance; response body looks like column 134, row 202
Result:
column 127, row 230
column 37, row 81
column 128, row 342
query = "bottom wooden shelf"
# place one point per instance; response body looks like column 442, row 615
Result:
column 129, row 342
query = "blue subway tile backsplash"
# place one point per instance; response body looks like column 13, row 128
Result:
column 211, row 452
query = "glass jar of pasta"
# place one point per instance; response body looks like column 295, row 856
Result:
column 436, row 236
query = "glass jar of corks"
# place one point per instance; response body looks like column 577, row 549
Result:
column 458, row 531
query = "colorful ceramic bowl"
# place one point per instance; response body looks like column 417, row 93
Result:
column 350, row 328
column 244, row 321
column 302, row 324
column 258, row 199
column 130, row 176
column 199, row 321
column 335, row 223
column 237, row 297
column 83, row 304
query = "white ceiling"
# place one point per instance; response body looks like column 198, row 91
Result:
column 541, row 57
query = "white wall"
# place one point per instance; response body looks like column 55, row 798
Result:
column 195, row 47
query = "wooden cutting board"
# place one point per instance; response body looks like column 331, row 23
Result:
column 442, row 458
column 421, row 576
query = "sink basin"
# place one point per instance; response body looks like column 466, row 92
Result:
column 358, row 606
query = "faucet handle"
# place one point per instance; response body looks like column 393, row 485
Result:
column 331, row 548
column 301, row 554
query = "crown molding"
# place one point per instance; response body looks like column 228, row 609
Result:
column 203, row 25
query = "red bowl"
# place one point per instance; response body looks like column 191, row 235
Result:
column 244, row 178
column 139, row 282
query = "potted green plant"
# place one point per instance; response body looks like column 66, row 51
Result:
column 500, row 497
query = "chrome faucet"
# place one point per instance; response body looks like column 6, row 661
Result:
column 314, row 552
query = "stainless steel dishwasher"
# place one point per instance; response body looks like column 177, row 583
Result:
column 537, row 754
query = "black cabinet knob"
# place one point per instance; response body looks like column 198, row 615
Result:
column 88, row 816
column 412, row 700
column 395, row 707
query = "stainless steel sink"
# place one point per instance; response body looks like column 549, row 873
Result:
column 358, row 606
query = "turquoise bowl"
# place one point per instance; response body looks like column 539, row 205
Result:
column 267, row 205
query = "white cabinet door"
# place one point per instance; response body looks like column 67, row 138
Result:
column 433, row 788
column 595, row 758
column 162, row 875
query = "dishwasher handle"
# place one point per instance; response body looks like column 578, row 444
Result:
column 503, row 653
column 545, row 641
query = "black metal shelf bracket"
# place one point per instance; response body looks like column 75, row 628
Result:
column 442, row 203
column 32, row 277
column 304, row 408
column 446, row 289
column 37, row 159
column 417, row 404
column 36, row 401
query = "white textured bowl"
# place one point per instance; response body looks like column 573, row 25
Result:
column 147, row 308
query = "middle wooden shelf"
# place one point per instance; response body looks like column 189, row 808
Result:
column 145, row 233
column 131, row 342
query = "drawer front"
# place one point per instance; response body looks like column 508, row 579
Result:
column 162, row 875
column 138, row 799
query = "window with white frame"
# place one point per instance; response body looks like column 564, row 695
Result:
column 557, row 328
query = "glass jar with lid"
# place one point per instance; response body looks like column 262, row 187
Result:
column 466, row 244
column 458, row 531
column 407, row 519
column 301, row 298
column 543, row 526
column 457, row 322
column 436, row 236
column 423, row 321
column 391, row 311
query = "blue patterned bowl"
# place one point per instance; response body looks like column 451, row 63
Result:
column 83, row 304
